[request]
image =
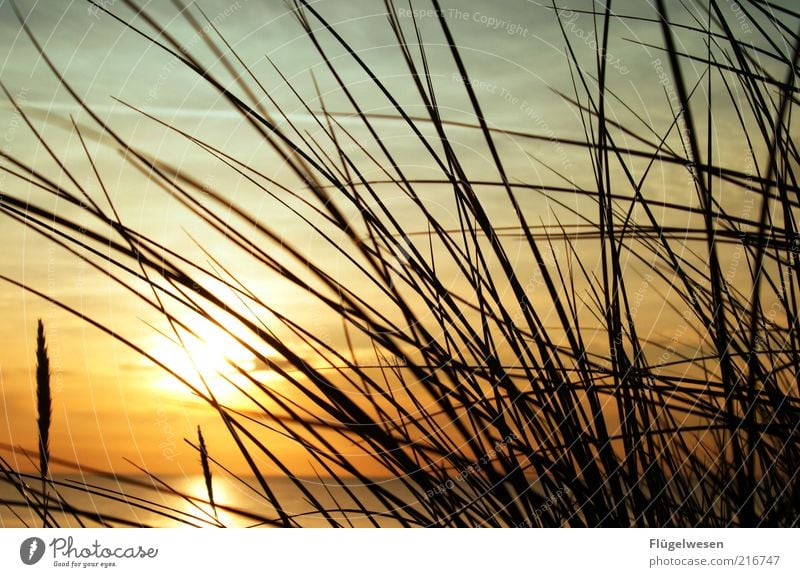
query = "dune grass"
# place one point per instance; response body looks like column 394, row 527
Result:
column 496, row 401
column 44, row 404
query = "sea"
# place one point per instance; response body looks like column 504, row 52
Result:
column 141, row 501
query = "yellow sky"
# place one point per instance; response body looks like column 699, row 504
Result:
column 111, row 405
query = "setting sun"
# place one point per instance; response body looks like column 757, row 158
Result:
column 213, row 361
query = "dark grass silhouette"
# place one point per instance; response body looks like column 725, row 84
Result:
column 44, row 403
column 206, row 469
column 487, row 413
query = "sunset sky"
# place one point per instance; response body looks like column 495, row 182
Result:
column 110, row 404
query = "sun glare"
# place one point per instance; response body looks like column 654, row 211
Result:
column 212, row 361
column 196, row 488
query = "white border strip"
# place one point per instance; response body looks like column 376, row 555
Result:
column 401, row 552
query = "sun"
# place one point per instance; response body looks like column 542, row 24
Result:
column 212, row 359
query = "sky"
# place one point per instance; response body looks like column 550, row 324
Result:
column 111, row 407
